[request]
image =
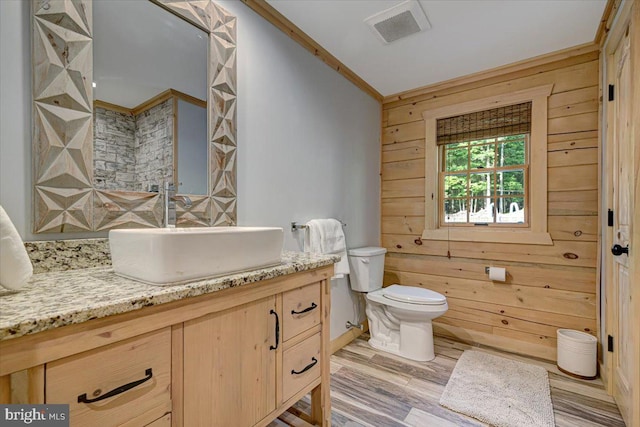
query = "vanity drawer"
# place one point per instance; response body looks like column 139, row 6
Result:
column 301, row 366
column 165, row 421
column 138, row 370
column 300, row 310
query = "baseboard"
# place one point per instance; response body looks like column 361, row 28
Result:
column 348, row 336
column 604, row 375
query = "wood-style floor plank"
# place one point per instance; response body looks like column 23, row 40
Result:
column 371, row 388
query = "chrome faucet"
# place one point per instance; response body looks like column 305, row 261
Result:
column 170, row 199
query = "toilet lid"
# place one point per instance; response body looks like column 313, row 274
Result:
column 414, row 295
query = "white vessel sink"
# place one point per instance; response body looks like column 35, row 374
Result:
column 165, row 256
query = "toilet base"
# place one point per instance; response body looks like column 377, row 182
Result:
column 417, row 339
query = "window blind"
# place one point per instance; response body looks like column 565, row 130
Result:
column 502, row 121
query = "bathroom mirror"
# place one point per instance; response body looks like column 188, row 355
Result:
column 149, row 99
column 73, row 190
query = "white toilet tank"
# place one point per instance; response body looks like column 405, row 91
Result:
column 367, row 268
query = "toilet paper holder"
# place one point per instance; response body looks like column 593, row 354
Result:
column 499, row 276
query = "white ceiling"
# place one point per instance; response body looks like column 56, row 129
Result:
column 467, row 36
column 141, row 50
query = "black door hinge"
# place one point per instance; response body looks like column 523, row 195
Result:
column 610, row 343
column 610, row 218
column 611, row 92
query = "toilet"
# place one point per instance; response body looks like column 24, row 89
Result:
column 399, row 316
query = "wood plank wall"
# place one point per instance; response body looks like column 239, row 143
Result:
column 546, row 288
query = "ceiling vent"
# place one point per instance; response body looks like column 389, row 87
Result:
column 399, row 21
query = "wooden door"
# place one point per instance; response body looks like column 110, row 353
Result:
column 229, row 366
column 622, row 178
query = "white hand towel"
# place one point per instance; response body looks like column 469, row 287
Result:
column 326, row 236
column 15, row 265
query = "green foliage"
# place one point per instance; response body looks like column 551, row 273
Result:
column 471, row 158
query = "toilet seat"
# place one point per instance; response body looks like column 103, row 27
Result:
column 409, row 298
column 414, row 295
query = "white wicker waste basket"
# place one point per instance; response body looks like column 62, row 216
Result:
column 577, row 353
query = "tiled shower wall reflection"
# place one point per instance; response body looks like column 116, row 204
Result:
column 133, row 152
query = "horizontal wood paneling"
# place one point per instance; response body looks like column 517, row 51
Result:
column 547, row 287
column 577, row 123
column 579, row 254
column 573, row 109
column 403, row 188
column 403, row 225
column 567, row 137
column 573, row 102
column 566, row 79
column 410, row 206
column 573, row 143
column 573, row 178
column 438, row 91
column 403, row 132
column 403, row 170
column 542, row 276
column 580, row 228
column 583, row 156
column 573, row 203
column 493, row 340
column 580, row 304
column 524, row 319
column 566, row 99
column 498, row 321
column 403, row 151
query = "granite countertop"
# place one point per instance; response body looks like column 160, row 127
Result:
column 61, row 298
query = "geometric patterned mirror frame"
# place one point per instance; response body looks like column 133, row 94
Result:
column 64, row 197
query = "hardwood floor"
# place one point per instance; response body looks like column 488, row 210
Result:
column 373, row 388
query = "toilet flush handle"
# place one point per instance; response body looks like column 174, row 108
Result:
column 364, row 261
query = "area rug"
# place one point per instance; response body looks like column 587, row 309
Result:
column 499, row 391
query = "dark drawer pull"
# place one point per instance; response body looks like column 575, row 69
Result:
column 313, row 306
column 306, row 368
column 83, row 397
column 273, row 347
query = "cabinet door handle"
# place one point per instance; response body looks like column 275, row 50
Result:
column 306, row 368
column 83, row 397
column 273, row 347
column 313, row 305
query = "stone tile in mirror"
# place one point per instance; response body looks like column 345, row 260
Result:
column 150, row 91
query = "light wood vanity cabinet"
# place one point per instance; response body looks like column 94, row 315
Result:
column 230, row 366
column 137, row 369
column 241, row 364
column 301, row 365
column 301, row 310
column 237, row 357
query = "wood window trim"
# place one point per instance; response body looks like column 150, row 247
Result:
column 537, row 233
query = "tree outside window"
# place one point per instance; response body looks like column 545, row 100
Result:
column 484, row 181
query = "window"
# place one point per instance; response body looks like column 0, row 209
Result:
column 484, row 181
column 486, row 163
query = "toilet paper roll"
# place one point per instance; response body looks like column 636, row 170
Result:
column 497, row 274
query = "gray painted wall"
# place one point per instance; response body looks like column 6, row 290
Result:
column 192, row 149
column 309, row 145
column 308, row 140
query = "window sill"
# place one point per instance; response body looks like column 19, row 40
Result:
column 489, row 236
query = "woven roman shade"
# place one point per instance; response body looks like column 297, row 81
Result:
column 502, row 121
